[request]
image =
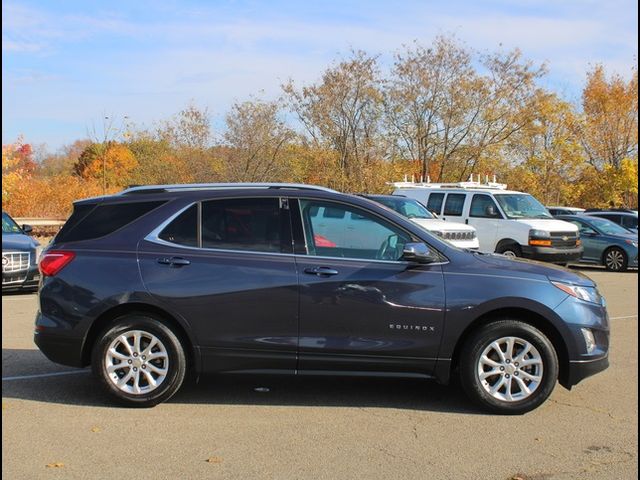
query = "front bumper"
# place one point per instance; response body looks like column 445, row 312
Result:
column 21, row 280
column 552, row 254
column 580, row 369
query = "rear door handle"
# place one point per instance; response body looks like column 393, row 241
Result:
column 174, row 261
column 321, row 271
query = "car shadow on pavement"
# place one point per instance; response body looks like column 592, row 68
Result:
column 81, row 388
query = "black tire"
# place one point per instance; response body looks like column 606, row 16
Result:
column 172, row 352
column 477, row 390
column 510, row 250
column 615, row 259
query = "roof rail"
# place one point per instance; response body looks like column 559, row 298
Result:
column 468, row 184
column 141, row 189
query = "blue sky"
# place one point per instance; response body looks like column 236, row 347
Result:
column 65, row 64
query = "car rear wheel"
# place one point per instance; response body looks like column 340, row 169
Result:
column 139, row 360
column 615, row 260
column 508, row 367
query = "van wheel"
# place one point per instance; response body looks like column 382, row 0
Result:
column 139, row 360
column 510, row 250
column 508, row 367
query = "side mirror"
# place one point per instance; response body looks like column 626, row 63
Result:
column 588, row 233
column 27, row 228
column 490, row 211
column 419, row 253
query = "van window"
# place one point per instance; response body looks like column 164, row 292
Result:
column 434, row 204
column 454, row 204
column 482, row 207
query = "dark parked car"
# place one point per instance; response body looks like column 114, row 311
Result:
column 606, row 243
column 155, row 281
column 625, row 218
column 19, row 256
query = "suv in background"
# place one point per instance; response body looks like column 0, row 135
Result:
column 511, row 223
column 153, row 282
column 19, row 256
column 555, row 211
column 625, row 218
column 459, row 234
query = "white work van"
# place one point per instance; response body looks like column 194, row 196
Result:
column 507, row 222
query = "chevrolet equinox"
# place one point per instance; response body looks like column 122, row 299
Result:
column 157, row 281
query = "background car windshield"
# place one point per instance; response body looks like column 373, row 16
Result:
column 522, row 206
column 406, row 207
column 608, row 227
column 8, row 225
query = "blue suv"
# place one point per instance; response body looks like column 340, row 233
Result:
column 157, row 281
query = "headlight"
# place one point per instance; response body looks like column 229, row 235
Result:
column 588, row 294
column 539, row 234
column 632, row 242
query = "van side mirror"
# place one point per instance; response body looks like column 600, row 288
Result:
column 27, row 228
column 419, row 253
column 490, row 211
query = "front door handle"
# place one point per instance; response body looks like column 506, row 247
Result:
column 321, row 271
column 174, row 261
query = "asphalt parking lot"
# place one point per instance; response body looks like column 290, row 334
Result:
column 62, row 426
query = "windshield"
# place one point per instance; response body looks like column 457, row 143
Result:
column 405, row 206
column 8, row 225
column 608, row 227
column 522, row 205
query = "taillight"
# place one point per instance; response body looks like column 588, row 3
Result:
column 54, row 261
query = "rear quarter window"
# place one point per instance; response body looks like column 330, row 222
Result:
column 94, row 221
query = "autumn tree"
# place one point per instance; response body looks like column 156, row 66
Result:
column 257, row 140
column 548, row 155
column 63, row 162
column 609, row 130
column 450, row 117
column 189, row 135
column 342, row 113
column 112, row 163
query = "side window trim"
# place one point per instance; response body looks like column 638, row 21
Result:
column 154, row 235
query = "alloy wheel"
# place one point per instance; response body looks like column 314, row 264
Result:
column 136, row 362
column 614, row 260
column 510, row 369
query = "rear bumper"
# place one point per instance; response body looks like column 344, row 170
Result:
column 60, row 349
column 551, row 254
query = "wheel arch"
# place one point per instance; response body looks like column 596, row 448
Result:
column 507, row 241
column 533, row 318
column 107, row 317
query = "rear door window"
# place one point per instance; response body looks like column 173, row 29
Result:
column 253, row 224
column 434, row 204
column 454, row 204
column 183, row 230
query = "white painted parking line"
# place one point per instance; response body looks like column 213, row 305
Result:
column 620, row 318
column 42, row 375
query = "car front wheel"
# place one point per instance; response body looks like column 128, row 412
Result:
column 139, row 360
column 508, row 367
